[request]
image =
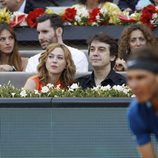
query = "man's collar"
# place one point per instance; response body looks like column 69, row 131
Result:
column 22, row 7
column 110, row 76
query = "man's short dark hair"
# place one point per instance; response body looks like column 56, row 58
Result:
column 55, row 20
column 103, row 37
column 144, row 58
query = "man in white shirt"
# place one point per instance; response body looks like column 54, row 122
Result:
column 50, row 30
column 14, row 5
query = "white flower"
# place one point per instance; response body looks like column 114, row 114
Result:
column 58, row 87
column 125, row 91
column 105, row 88
column 49, row 85
column 36, row 92
column 98, row 18
column 133, row 95
column 82, row 12
column 96, row 88
column 78, row 18
column 118, row 88
column 13, row 94
column 23, row 93
column 154, row 16
column 103, row 11
column 45, row 89
column 73, row 87
column 156, row 7
column 95, row 24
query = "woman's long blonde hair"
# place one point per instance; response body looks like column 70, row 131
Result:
column 68, row 75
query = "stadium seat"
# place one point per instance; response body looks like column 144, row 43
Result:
column 18, row 79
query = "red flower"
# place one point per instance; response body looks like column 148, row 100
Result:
column 69, row 14
column 31, row 18
column 92, row 15
column 149, row 8
column 125, row 19
column 17, row 20
column 147, row 15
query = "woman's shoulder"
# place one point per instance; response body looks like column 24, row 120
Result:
column 35, row 78
column 32, row 83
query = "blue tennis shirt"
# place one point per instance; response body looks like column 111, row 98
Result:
column 143, row 121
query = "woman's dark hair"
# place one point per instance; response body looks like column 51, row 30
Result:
column 14, row 58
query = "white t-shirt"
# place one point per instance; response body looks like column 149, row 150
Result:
column 79, row 58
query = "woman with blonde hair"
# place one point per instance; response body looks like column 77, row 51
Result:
column 10, row 59
column 55, row 66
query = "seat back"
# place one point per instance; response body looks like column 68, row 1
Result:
column 18, row 79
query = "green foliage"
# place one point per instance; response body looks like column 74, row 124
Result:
column 9, row 91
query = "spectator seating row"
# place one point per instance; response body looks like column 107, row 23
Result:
column 18, row 79
column 29, row 53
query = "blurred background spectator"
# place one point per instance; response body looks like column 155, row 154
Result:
column 133, row 5
column 143, row 3
column 133, row 37
column 128, row 5
column 155, row 2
